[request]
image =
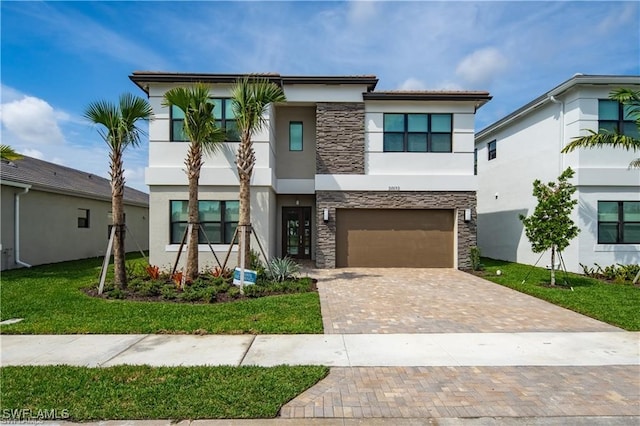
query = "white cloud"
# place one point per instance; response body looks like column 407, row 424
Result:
column 361, row 11
column 482, row 66
column 33, row 120
column 29, row 152
column 412, row 84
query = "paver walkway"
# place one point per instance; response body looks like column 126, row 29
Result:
column 359, row 300
column 364, row 300
column 423, row 392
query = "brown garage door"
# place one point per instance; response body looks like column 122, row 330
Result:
column 394, row 238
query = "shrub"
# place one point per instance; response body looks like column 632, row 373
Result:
column 281, row 269
column 617, row 273
column 475, row 258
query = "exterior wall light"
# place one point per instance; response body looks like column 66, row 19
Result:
column 467, row 215
column 325, row 215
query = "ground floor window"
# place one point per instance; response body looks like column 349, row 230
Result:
column 619, row 222
column 83, row 218
column 218, row 220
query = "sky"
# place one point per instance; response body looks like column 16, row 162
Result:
column 57, row 57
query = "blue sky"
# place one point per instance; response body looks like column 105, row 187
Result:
column 59, row 56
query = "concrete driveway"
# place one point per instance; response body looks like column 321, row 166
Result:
column 401, row 300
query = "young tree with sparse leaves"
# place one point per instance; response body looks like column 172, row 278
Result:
column 550, row 226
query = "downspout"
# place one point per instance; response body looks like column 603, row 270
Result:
column 16, row 221
column 556, row 101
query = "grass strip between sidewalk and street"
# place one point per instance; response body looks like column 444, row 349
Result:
column 616, row 304
column 51, row 300
column 143, row 392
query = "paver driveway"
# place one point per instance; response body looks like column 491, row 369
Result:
column 400, row 300
column 362, row 300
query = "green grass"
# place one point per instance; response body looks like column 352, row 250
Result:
column 142, row 392
column 616, row 304
column 51, row 301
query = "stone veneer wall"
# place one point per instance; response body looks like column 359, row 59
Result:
column 340, row 138
column 332, row 200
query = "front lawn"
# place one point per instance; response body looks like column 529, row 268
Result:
column 32, row 394
column 616, row 304
column 52, row 300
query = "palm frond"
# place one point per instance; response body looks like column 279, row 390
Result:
column 602, row 139
column 251, row 97
column 199, row 123
column 9, row 154
column 635, row 164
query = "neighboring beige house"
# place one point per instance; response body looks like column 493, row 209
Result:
column 345, row 175
column 525, row 145
column 52, row 213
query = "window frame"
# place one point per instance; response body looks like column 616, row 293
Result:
column 620, row 222
column 492, row 150
column 223, row 222
column 291, row 123
column 222, row 122
column 84, row 222
column 619, row 123
column 428, row 134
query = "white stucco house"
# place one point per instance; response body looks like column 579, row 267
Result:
column 525, row 145
column 345, row 175
column 52, row 213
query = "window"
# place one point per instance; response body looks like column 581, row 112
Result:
column 218, row 219
column 417, row 132
column 491, row 146
column 83, row 218
column 295, row 136
column 619, row 222
column 616, row 117
column 475, row 161
column 222, row 112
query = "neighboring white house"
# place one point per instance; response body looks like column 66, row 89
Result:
column 52, row 213
column 525, row 145
column 345, row 175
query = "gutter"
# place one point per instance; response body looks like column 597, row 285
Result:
column 16, row 219
column 561, row 103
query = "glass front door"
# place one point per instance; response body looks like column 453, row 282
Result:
column 296, row 229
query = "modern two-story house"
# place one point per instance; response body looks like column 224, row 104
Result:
column 525, row 145
column 346, row 176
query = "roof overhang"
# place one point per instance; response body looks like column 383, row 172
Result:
column 576, row 80
column 143, row 78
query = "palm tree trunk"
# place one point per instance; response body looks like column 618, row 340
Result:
column 246, row 160
column 117, row 211
column 194, row 164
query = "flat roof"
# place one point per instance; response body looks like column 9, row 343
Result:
column 140, row 78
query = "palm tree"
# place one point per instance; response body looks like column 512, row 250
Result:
column 120, row 131
column 8, row 154
column 251, row 97
column 204, row 138
column 631, row 100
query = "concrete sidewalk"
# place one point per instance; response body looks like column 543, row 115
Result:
column 337, row 350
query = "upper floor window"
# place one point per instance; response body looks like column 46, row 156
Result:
column 619, row 222
column 295, row 136
column 616, row 117
column 222, row 112
column 218, row 219
column 417, row 132
column 492, row 149
column 475, row 161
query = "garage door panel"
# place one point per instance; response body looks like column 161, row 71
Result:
column 394, row 238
